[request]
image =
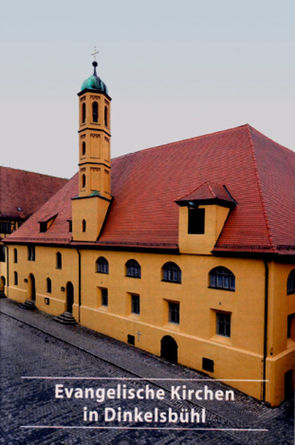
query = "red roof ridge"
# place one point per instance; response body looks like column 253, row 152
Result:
column 33, row 173
column 208, row 183
column 195, row 138
column 270, row 139
column 259, row 187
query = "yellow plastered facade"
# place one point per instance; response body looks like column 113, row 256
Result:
column 239, row 356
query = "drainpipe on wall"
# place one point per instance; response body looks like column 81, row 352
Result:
column 79, row 281
column 7, row 271
column 266, row 279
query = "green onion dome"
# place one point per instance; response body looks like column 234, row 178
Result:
column 94, row 82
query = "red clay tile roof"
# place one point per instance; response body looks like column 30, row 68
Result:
column 208, row 191
column 22, row 192
column 258, row 172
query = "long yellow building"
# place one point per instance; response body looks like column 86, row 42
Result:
column 186, row 250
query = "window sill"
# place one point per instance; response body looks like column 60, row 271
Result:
column 221, row 288
column 130, row 276
column 173, row 326
column 134, row 316
column 222, row 339
column 170, row 281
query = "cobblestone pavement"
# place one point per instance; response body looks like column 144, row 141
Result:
column 32, row 344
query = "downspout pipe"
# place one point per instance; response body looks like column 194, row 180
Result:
column 79, row 282
column 266, row 286
column 7, row 271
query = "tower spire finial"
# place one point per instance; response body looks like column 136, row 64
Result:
column 94, row 53
column 94, row 63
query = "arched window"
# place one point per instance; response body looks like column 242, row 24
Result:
column 48, row 285
column 222, row 278
column 102, row 265
column 83, row 180
column 15, row 255
column 84, row 225
column 58, row 260
column 106, row 116
column 95, row 111
column 291, row 282
column 133, row 269
column 15, row 278
column 83, row 148
column 171, row 272
column 83, row 112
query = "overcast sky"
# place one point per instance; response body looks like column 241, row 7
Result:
column 174, row 70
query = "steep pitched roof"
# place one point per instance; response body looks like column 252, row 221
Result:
column 23, row 192
column 258, row 172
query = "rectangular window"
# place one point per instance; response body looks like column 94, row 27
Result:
column 15, row 255
column 173, row 312
column 223, row 324
column 104, row 297
column 135, row 304
column 196, row 221
column 31, row 253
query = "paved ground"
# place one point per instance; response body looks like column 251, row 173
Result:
column 32, row 344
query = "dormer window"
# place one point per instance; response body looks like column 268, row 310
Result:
column 46, row 223
column 196, row 221
column 43, row 226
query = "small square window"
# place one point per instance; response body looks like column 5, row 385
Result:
column 208, row 364
column 131, row 339
column 173, row 312
column 223, row 324
column 135, row 304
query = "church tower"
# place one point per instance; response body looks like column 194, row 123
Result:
column 89, row 208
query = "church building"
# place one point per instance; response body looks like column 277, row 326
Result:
column 185, row 250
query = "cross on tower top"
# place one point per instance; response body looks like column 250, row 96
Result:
column 94, row 53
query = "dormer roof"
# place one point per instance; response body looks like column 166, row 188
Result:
column 208, row 193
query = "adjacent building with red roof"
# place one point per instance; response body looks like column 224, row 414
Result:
column 186, row 250
column 21, row 194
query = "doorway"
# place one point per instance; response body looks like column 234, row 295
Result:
column 2, row 286
column 169, row 349
column 70, row 297
column 31, row 287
